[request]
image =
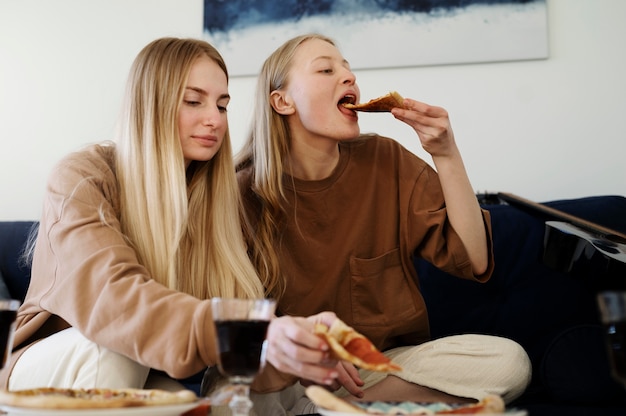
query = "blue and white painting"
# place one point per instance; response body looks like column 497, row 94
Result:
column 381, row 33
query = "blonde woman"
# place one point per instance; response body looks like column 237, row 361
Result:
column 136, row 236
column 336, row 218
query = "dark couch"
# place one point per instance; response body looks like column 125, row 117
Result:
column 551, row 313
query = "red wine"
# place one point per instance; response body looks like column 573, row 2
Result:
column 616, row 342
column 7, row 319
column 240, row 344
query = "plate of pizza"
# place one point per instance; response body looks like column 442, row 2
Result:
column 330, row 405
column 426, row 409
column 51, row 401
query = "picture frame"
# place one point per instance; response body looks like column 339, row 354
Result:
column 377, row 34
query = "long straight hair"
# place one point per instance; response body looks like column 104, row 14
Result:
column 267, row 150
column 185, row 224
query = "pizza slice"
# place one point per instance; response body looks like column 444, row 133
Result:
column 324, row 399
column 378, row 105
column 95, row 398
column 349, row 345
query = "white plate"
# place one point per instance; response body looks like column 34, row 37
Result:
column 514, row 412
column 167, row 410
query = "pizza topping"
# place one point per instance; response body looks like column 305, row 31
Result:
column 361, row 347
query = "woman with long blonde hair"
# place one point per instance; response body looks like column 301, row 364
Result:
column 180, row 214
column 138, row 234
column 336, row 218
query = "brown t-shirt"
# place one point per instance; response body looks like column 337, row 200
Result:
column 348, row 241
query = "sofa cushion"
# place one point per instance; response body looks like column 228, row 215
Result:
column 16, row 274
column 4, row 290
column 525, row 300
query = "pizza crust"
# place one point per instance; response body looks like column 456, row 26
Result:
column 326, row 400
column 380, row 104
column 60, row 398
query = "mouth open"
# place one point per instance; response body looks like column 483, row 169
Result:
column 347, row 99
column 345, row 104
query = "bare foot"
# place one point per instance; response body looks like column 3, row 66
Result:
column 395, row 389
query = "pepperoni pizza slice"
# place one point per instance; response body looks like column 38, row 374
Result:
column 349, row 345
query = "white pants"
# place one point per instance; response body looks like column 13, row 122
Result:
column 68, row 359
column 471, row 366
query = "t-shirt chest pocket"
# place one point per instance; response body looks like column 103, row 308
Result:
column 380, row 293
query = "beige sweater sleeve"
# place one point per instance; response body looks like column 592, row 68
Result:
column 86, row 275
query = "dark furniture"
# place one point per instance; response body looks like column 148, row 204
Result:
column 551, row 313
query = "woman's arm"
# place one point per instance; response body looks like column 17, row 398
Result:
column 434, row 130
column 86, row 273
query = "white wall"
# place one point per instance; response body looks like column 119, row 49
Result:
column 547, row 129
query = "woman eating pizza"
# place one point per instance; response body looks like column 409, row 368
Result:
column 336, row 218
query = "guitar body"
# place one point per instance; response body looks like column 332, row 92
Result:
column 577, row 246
column 568, row 247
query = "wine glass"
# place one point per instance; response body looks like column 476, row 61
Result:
column 8, row 312
column 612, row 306
column 241, row 328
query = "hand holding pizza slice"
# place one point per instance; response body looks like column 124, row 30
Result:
column 348, row 345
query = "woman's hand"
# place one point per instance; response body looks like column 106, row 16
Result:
column 431, row 124
column 348, row 378
column 293, row 348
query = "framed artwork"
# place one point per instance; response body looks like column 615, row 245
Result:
column 381, row 33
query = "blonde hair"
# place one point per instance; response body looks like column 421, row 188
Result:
column 185, row 224
column 266, row 150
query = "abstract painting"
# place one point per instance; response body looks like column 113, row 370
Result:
column 381, row 33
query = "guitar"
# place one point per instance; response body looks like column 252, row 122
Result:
column 570, row 241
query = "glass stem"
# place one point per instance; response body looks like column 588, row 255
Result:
column 240, row 404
